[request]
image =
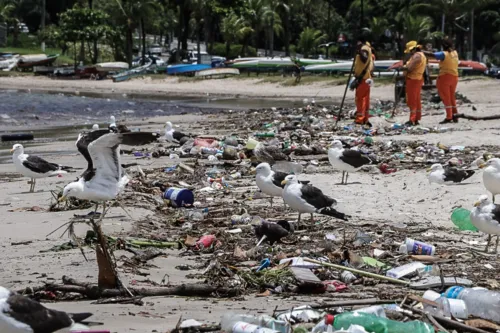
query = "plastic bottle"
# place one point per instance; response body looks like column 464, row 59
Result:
column 265, row 135
column 446, row 307
column 417, row 247
column 461, row 218
column 324, row 325
column 376, row 310
column 376, row 324
column 196, row 214
column 246, row 323
column 482, row 303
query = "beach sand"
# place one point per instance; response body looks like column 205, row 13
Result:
column 401, row 197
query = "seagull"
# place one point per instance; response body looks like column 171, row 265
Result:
column 485, row 216
column 308, row 199
column 269, row 181
column 103, row 179
column 439, row 175
column 20, row 314
column 273, row 232
column 491, row 176
column 346, row 160
column 112, row 122
column 172, row 135
column 269, row 154
column 95, row 127
column 34, row 166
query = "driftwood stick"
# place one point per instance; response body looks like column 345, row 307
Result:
column 347, row 303
column 195, row 289
column 464, row 116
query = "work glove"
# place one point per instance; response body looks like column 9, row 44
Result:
column 369, row 82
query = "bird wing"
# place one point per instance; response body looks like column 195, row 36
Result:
column 278, row 177
column 39, row 165
column 276, row 153
column 452, row 174
column 34, row 314
column 496, row 214
column 178, row 135
column 82, row 144
column 354, row 158
column 315, row 197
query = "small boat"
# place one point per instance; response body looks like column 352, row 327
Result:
column 111, row 66
column 29, row 61
column 462, row 65
column 221, row 71
column 126, row 75
column 9, row 61
column 306, row 62
column 345, row 66
column 265, row 63
column 186, row 68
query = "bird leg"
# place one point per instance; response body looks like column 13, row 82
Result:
column 343, row 174
column 488, row 243
column 261, row 240
column 496, row 246
column 298, row 221
column 312, row 218
column 272, row 201
column 32, row 186
column 103, row 212
column 346, row 175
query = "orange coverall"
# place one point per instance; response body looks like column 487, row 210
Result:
column 414, row 82
column 447, row 81
column 363, row 89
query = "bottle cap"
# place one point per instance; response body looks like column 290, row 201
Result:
column 329, row 319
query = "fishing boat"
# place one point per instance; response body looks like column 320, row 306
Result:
column 345, row 66
column 126, row 75
column 306, row 62
column 116, row 66
column 29, row 61
column 216, row 72
column 186, row 68
column 462, row 65
column 262, row 63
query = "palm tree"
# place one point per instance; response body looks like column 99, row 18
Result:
column 230, row 30
column 378, row 26
column 273, row 20
column 417, row 27
column 198, row 13
column 244, row 33
column 309, row 39
column 255, row 13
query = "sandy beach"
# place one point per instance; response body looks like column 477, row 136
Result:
column 401, row 197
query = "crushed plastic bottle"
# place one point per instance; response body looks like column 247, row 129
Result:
column 246, row 323
column 375, row 324
column 482, row 303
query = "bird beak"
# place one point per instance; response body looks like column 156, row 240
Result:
column 283, row 182
column 429, row 169
column 11, row 151
column 476, row 204
column 61, row 199
column 482, row 165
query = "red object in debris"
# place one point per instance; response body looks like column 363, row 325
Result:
column 206, row 143
column 384, row 167
column 205, row 241
column 334, row 285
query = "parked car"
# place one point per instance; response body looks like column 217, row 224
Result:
column 155, row 49
column 493, row 71
column 159, row 61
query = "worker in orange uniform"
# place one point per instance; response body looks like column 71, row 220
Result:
column 448, row 79
column 363, row 65
column 415, row 69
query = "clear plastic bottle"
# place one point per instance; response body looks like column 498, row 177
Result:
column 324, row 325
column 246, row 323
column 482, row 303
column 376, row 324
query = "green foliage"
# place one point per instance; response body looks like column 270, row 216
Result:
column 234, row 52
column 309, row 39
column 82, row 24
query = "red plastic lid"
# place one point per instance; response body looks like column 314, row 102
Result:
column 329, row 319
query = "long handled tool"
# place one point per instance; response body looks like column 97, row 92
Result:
column 345, row 91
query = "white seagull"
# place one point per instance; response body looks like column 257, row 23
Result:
column 20, row 314
column 491, row 176
column 95, row 127
column 440, row 175
column 112, row 122
column 172, row 135
column 33, row 166
column 269, row 181
column 346, row 160
column 485, row 216
column 308, row 199
column 104, row 178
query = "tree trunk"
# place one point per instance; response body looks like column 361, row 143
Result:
column 15, row 39
column 90, row 4
column 130, row 45
column 198, row 40
column 82, row 51
column 96, row 53
column 143, row 32
column 228, row 49
column 271, row 38
column 287, row 34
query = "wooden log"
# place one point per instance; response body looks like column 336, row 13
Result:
column 464, row 116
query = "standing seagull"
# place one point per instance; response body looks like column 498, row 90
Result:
column 308, row 199
column 269, row 181
column 269, row 154
column 104, row 178
column 20, row 314
column 95, row 127
column 34, row 166
column 172, row 135
column 491, row 176
column 112, row 123
column 346, row 160
column 486, row 217
column 439, row 175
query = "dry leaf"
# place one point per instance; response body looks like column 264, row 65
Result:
column 264, row 294
column 190, row 241
column 239, row 253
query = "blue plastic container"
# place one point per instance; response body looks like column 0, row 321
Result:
column 179, row 197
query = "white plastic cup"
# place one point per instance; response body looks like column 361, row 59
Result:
column 431, row 295
column 458, row 308
column 252, row 143
column 418, row 247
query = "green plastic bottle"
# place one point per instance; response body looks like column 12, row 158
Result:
column 376, row 324
column 461, row 218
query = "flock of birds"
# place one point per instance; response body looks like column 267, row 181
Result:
column 105, row 178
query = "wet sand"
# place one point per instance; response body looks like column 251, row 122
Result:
column 401, row 197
